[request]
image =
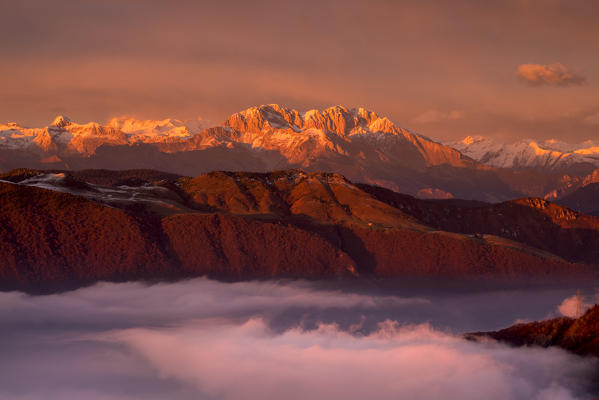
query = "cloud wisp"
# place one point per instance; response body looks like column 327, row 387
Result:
column 554, row 74
column 438, row 116
column 592, row 119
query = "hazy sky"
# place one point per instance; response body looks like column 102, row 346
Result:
column 445, row 69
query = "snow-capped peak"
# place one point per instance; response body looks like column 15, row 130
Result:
column 338, row 120
column 272, row 131
column 469, row 140
column 527, row 153
column 168, row 127
column 61, row 121
column 305, row 136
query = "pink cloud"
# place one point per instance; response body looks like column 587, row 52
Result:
column 201, row 339
column 234, row 361
column 569, row 307
column 554, row 74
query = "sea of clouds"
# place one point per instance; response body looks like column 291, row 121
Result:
column 202, row 339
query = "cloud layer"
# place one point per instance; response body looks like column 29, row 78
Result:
column 237, row 361
column 549, row 74
column 202, row 339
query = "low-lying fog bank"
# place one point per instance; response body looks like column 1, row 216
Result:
column 202, row 339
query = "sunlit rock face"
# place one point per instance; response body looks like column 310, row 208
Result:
column 61, row 121
column 339, row 130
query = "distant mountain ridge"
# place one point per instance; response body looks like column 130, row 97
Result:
column 584, row 199
column 527, row 153
column 356, row 143
column 64, row 137
column 336, row 129
column 267, row 127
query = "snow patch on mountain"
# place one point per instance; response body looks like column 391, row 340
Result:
column 62, row 136
column 550, row 154
column 61, row 121
column 299, row 137
column 153, row 129
column 302, row 137
column 354, row 141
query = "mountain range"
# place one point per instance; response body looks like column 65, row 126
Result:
column 549, row 155
column 584, row 199
column 64, row 229
column 356, row 143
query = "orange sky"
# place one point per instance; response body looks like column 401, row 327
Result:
column 444, row 69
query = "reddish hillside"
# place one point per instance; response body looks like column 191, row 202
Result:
column 531, row 221
column 247, row 225
column 241, row 248
column 395, row 253
column 580, row 335
column 48, row 237
column 319, row 197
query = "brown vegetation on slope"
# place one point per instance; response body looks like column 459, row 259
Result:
column 531, row 221
column 580, row 335
column 381, row 237
column 318, row 197
column 48, row 237
column 243, row 226
column 240, row 248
